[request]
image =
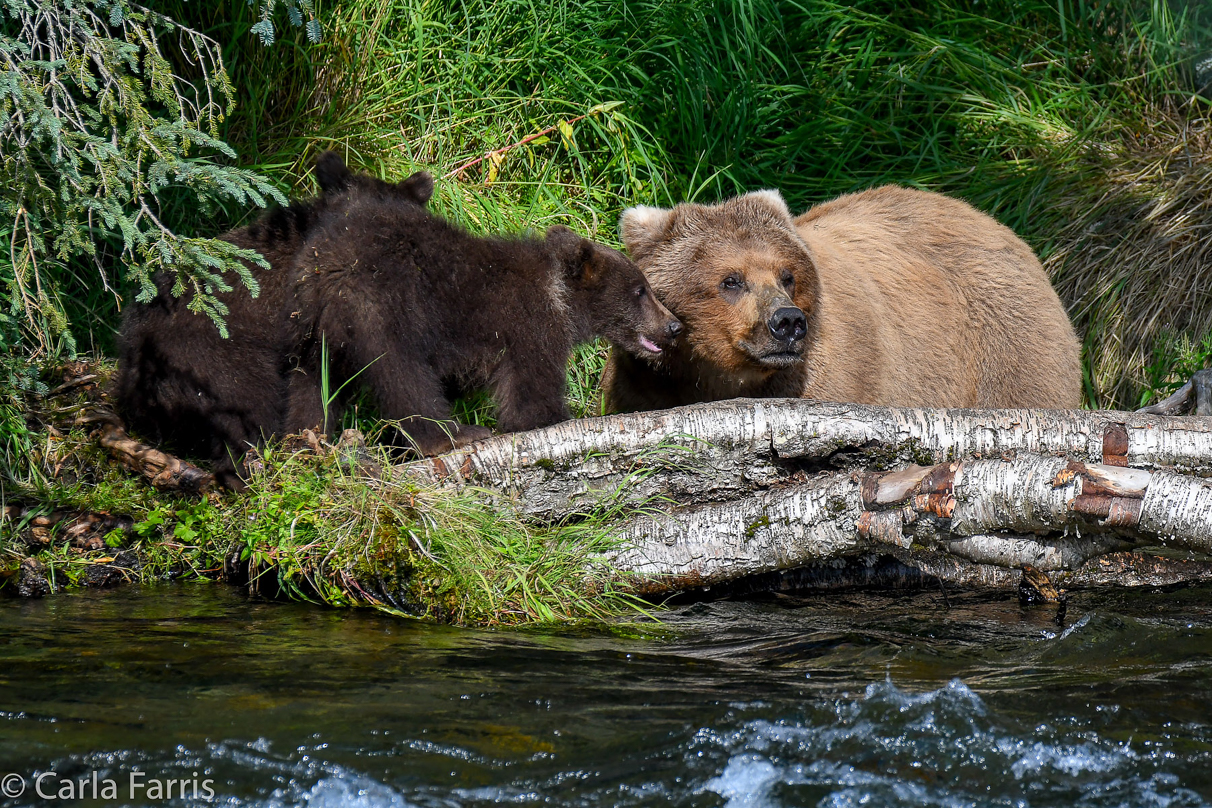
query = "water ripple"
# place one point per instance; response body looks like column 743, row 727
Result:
column 841, row 701
column 938, row 748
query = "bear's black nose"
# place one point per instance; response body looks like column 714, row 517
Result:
column 788, row 324
column 674, row 328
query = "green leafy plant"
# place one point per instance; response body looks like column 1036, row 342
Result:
column 1175, row 358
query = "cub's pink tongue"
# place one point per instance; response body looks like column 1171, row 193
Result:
column 649, row 344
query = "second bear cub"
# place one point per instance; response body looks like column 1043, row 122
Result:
column 180, row 382
column 414, row 308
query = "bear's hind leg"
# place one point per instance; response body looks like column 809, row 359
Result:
column 227, row 473
column 530, row 392
column 411, row 394
column 305, row 404
column 231, row 441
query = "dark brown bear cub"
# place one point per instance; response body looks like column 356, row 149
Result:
column 407, row 306
column 413, row 306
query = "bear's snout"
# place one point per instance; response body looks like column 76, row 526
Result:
column 662, row 326
column 788, row 324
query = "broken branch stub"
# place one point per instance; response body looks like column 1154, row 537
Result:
column 164, row 471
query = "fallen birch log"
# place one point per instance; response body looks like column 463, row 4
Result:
column 712, row 493
column 719, row 450
column 1048, row 513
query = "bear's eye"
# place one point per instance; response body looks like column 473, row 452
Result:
column 640, row 291
column 788, row 280
column 732, row 282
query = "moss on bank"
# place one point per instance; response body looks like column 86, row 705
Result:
column 320, row 522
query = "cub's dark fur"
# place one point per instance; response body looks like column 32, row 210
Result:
column 179, row 381
column 418, row 307
column 407, row 304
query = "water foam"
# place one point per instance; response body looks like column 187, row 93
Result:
column 746, row 782
column 359, row 792
column 937, row 748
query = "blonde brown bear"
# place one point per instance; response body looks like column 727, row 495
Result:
column 888, row 296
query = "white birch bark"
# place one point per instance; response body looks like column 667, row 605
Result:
column 732, row 489
column 773, row 530
column 1030, row 510
column 719, row 450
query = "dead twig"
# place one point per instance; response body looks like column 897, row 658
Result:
column 511, row 146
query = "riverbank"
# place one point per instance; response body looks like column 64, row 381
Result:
column 320, row 521
column 585, row 518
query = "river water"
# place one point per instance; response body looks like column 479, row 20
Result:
column 830, row 700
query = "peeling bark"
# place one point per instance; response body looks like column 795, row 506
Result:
column 1027, row 511
column 740, row 488
column 719, row 450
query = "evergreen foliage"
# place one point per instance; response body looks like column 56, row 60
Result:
column 109, row 112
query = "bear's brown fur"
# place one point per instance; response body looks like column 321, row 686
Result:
column 180, row 382
column 406, row 305
column 908, row 298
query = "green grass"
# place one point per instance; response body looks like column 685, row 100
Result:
column 328, row 528
column 334, row 525
column 1073, row 123
column 1176, row 357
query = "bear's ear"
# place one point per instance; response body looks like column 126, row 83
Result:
column 418, row 187
column 573, row 252
column 767, row 200
column 643, row 228
column 332, row 173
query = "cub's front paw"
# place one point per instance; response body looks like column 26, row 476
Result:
column 470, row 434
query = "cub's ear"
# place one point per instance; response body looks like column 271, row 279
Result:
column 332, row 173
column 575, row 254
column 643, row 228
column 766, row 200
column 418, row 187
